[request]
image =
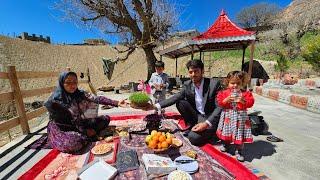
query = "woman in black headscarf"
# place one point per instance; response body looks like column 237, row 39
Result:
column 72, row 122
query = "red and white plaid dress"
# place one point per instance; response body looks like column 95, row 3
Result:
column 234, row 125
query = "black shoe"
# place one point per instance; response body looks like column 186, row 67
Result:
column 186, row 133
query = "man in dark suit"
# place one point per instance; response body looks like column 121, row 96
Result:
column 196, row 102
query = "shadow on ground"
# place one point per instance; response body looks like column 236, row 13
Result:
column 258, row 149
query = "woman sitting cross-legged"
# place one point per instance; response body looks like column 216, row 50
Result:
column 72, row 123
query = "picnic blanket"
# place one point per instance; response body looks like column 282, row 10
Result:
column 212, row 163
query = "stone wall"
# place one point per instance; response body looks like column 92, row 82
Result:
column 284, row 95
column 33, row 37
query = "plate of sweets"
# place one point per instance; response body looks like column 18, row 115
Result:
column 159, row 141
column 138, row 127
column 101, row 148
column 179, row 175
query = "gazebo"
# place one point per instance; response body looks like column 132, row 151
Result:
column 222, row 35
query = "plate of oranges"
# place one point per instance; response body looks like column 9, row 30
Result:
column 159, row 141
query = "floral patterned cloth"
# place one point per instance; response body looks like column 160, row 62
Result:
column 65, row 166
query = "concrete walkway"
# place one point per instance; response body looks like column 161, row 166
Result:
column 297, row 157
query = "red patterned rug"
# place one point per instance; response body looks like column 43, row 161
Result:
column 57, row 165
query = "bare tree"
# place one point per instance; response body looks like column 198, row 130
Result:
column 138, row 23
column 261, row 14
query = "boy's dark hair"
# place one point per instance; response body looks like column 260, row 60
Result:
column 159, row 64
column 195, row 64
column 239, row 75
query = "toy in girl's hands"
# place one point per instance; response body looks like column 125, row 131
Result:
column 236, row 97
column 241, row 100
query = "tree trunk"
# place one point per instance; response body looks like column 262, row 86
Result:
column 151, row 59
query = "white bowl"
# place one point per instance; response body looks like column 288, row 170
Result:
column 171, row 175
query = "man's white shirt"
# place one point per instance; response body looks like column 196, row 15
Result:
column 198, row 100
column 199, row 97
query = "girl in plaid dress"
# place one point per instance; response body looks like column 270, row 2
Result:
column 234, row 125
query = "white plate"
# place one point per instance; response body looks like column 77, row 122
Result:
column 170, row 177
column 97, row 169
column 191, row 167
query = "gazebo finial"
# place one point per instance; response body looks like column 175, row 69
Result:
column 222, row 12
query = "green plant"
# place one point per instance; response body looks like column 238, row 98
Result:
column 311, row 52
column 282, row 63
column 139, row 98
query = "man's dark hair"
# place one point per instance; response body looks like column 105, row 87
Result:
column 195, row 64
column 159, row 64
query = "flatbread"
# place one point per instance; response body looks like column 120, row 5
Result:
column 101, row 149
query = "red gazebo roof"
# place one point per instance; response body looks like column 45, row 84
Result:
column 222, row 28
column 222, row 35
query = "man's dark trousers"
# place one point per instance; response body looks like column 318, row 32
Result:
column 192, row 117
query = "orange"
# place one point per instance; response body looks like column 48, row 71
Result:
column 169, row 140
column 155, row 138
column 162, row 138
column 153, row 132
column 152, row 144
column 159, row 133
column 159, row 145
column 164, row 144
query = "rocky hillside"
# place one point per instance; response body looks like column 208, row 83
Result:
column 302, row 10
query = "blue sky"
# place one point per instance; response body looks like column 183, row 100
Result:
column 38, row 17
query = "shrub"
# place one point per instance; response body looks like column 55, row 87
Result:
column 311, row 52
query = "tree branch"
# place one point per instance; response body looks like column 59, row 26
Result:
column 91, row 19
column 128, row 51
column 123, row 51
column 146, row 16
column 129, row 22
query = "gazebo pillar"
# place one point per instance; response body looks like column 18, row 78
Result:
column 200, row 56
column 251, row 60
column 176, row 66
column 160, row 57
column 243, row 54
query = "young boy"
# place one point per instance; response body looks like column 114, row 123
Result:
column 159, row 82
